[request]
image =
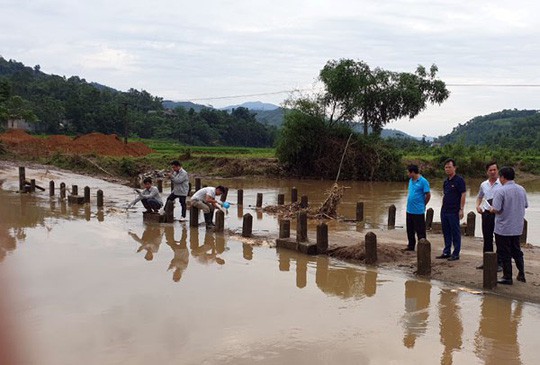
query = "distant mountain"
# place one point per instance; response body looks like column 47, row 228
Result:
column 253, row 105
column 169, row 104
column 518, row 129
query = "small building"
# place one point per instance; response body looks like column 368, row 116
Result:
column 18, row 124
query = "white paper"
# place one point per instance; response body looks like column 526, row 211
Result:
column 485, row 206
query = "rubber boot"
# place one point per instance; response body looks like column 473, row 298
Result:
column 208, row 220
column 507, row 273
column 520, row 264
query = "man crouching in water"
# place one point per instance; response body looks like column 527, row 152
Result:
column 149, row 197
column 205, row 200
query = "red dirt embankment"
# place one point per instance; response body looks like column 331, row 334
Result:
column 18, row 141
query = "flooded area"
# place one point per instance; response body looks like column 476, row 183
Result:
column 97, row 286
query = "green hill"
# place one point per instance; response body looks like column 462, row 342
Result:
column 515, row 129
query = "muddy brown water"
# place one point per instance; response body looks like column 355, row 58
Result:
column 100, row 287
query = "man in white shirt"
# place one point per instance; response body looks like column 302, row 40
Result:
column 486, row 193
column 205, row 200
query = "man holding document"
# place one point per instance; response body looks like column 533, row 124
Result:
column 483, row 206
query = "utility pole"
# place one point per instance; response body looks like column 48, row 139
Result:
column 125, row 122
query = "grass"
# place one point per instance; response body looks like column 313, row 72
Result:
column 170, row 148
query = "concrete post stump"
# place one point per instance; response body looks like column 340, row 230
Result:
column 392, row 217
column 370, row 248
column 490, row 270
column 423, row 257
column 247, row 225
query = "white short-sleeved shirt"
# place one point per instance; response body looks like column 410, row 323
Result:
column 202, row 193
column 487, row 190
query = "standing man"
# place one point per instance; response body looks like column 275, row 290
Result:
column 419, row 195
column 487, row 191
column 180, row 183
column 205, row 200
column 452, row 211
column 509, row 204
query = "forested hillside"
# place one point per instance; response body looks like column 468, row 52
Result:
column 513, row 129
column 59, row 105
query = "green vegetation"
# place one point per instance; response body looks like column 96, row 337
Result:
column 60, row 105
column 170, row 148
column 509, row 129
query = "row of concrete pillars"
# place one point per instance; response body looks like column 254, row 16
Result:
column 73, row 197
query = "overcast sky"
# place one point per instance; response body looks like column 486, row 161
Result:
column 191, row 50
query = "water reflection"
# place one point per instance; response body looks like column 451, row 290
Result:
column 150, row 240
column 415, row 320
column 450, row 326
column 180, row 260
column 345, row 282
column 207, row 253
column 496, row 341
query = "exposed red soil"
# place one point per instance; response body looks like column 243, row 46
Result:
column 21, row 142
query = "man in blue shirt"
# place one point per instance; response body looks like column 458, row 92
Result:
column 509, row 204
column 452, row 211
column 419, row 195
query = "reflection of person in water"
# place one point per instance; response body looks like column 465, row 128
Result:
column 180, row 260
column 496, row 339
column 417, row 295
column 451, row 329
column 206, row 254
column 150, row 240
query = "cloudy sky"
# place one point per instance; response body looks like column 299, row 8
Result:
column 204, row 51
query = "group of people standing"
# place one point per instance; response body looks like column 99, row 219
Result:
column 203, row 199
column 500, row 201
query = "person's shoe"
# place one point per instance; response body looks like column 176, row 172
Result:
column 407, row 249
column 481, row 267
column 504, row 281
column 208, row 226
column 521, row 277
column 453, row 258
column 183, row 219
column 443, row 256
column 499, row 268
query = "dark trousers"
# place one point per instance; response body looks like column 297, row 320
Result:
column 508, row 248
column 151, row 204
column 182, row 199
column 488, row 226
column 416, row 224
column 451, row 233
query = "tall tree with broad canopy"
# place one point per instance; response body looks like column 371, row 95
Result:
column 352, row 91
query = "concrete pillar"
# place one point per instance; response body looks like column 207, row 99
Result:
column 74, row 190
column 322, row 238
column 160, row 185
column 168, row 215
column 471, row 224
column 220, row 221
column 284, row 228
column 281, row 199
column 22, row 178
column 87, row 194
column 240, row 197
column 370, row 248
column 33, row 185
column 429, row 218
column 304, row 202
column 523, row 237
column 490, row 270
column 359, row 211
column 294, row 195
column 62, row 191
column 423, row 257
column 247, row 225
column 301, row 227
column 197, row 183
column 392, row 217
column 194, row 217
column 100, row 198
column 51, row 188
column 259, row 200
column 224, row 195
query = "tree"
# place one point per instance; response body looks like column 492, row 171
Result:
column 354, row 91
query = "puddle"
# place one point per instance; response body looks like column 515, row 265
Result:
column 100, row 287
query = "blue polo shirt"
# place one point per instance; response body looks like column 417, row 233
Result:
column 416, row 200
column 453, row 188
